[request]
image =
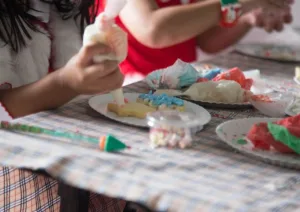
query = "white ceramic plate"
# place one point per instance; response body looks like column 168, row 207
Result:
column 222, row 104
column 99, row 104
column 271, row 52
column 177, row 94
column 233, row 130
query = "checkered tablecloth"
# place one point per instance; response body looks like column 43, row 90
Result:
column 209, row 177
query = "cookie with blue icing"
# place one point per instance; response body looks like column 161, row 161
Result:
column 161, row 101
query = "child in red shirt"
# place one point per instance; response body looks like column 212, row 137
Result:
column 162, row 31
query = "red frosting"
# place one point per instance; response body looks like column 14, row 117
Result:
column 292, row 124
column 237, row 75
column 261, row 138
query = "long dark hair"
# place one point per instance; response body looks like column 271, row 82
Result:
column 14, row 18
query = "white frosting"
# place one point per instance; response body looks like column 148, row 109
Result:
column 225, row 91
column 118, row 96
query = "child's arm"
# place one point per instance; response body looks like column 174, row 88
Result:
column 218, row 38
column 44, row 94
column 158, row 28
column 163, row 27
column 79, row 76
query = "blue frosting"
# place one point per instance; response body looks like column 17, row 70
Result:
column 211, row 73
column 162, row 99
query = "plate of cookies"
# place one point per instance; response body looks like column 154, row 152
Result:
column 270, row 51
column 205, row 85
column 137, row 106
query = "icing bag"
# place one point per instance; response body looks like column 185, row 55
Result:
column 105, row 31
column 113, row 8
column 105, row 143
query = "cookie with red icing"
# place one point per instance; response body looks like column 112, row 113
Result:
column 283, row 135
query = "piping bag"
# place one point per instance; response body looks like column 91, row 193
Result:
column 105, row 31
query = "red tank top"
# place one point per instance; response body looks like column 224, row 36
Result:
column 143, row 60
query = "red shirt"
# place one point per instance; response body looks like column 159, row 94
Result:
column 143, row 60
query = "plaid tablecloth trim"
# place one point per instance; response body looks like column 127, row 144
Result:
column 209, row 177
column 22, row 190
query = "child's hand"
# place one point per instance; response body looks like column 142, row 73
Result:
column 269, row 20
column 83, row 76
column 274, row 6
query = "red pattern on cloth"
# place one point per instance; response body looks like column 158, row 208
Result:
column 22, row 190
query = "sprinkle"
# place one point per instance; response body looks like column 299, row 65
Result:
column 241, row 141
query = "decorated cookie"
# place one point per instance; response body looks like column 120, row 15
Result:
column 283, row 135
column 261, row 138
column 131, row 109
column 161, row 102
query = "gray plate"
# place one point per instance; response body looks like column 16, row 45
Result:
column 276, row 52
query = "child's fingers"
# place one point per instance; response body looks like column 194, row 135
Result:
column 100, row 70
column 288, row 18
column 87, row 53
column 257, row 18
column 108, row 83
column 259, row 21
column 276, row 7
column 281, row 3
column 279, row 26
column 114, row 80
column 269, row 25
